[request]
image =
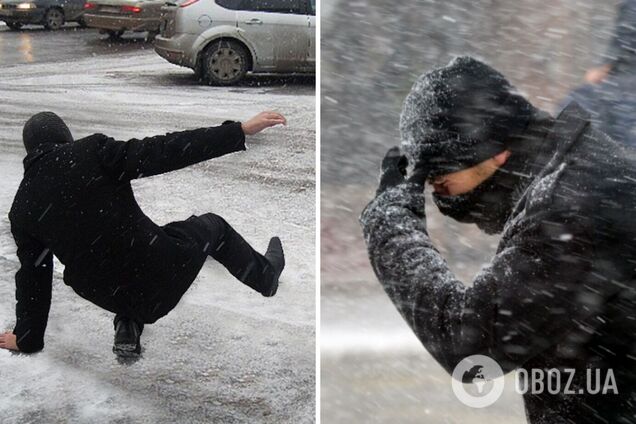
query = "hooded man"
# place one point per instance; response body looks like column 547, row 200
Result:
column 559, row 292
column 76, row 202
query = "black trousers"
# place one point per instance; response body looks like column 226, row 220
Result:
column 227, row 247
column 231, row 250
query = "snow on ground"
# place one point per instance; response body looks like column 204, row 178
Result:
column 225, row 354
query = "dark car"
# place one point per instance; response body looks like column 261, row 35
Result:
column 50, row 13
column 116, row 16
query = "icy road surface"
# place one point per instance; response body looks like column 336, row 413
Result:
column 225, row 354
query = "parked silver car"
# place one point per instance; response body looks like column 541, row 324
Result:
column 222, row 40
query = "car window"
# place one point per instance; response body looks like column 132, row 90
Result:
column 312, row 8
column 271, row 6
column 230, row 4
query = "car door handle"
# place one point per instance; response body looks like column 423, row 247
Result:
column 254, row 21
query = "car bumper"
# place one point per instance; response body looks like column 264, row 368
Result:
column 27, row 16
column 121, row 23
column 177, row 49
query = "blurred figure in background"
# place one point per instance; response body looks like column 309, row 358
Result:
column 608, row 94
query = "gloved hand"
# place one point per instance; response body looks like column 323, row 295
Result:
column 390, row 207
column 393, row 172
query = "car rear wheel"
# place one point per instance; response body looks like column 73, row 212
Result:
column 15, row 26
column 53, row 19
column 114, row 35
column 225, row 62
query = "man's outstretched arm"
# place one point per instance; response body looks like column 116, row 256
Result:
column 160, row 154
column 522, row 303
column 33, row 294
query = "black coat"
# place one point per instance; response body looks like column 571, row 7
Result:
column 75, row 202
column 612, row 105
column 559, row 292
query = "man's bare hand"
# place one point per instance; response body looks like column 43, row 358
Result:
column 597, row 75
column 8, row 341
column 261, row 121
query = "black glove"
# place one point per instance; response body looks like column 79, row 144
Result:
column 394, row 167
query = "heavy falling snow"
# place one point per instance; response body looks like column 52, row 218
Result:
column 225, row 353
column 375, row 51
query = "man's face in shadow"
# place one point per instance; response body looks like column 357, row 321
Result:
column 466, row 180
column 477, row 195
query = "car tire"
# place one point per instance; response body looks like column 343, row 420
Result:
column 114, row 35
column 53, row 19
column 82, row 23
column 224, row 62
column 151, row 35
column 14, row 26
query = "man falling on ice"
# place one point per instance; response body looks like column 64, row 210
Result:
column 560, row 293
column 76, row 202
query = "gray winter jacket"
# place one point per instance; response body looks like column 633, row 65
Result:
column 621, row 51
column 612, row 102
column 559, row 292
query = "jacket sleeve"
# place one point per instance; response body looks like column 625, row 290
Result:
column 33, row 291
column 536, row 287
column 623, row 41
column 160, row 154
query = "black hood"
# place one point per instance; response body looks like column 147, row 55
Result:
column 43, row 128
column 460, row 115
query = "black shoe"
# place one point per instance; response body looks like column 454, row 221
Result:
column 276, row 258
column 127, row 338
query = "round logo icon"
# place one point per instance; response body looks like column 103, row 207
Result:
column 482, row 379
